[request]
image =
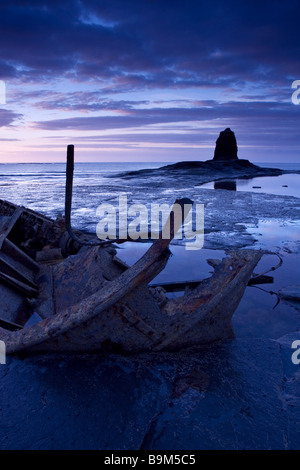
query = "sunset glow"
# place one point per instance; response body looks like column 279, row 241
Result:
column 148, row 80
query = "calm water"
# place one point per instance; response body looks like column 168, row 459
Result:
column 283, row 185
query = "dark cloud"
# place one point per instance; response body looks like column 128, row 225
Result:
column 149, row 43
column 132, row 117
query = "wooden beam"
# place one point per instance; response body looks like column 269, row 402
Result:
column 22, row 287
column 17, row 254
column 9, row 224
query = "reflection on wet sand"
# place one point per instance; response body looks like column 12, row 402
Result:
column 230, row 185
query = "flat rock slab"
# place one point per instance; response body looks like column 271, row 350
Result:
column 209, row 170
column 234, row 395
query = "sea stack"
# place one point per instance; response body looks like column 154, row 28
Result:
column 226, row 146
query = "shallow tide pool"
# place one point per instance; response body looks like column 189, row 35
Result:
column 283, row 185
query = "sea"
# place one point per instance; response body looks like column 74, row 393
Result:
column 41, row 186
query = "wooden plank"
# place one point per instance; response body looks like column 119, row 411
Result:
column 17, row 254
column 19, row 285
column 16, row 272
column 10, row 326
column 139, row 324
column 9, row 224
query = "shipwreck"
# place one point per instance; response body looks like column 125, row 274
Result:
column 63, row 291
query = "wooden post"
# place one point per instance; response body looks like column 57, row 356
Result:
column 69, row 187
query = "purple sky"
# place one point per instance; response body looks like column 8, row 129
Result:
column 148, row 80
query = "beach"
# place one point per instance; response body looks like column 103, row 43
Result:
column 242, row 394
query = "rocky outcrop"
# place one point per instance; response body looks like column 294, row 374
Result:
column 226, row 146
column 225, row 164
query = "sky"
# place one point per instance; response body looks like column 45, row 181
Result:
column 148, row 80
